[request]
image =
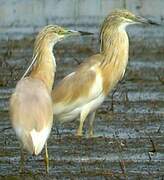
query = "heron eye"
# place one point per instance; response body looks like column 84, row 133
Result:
column 59, row 32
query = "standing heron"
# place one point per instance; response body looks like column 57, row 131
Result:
column 31, row 105
column 83, row 91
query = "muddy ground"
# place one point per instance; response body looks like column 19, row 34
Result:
column 128, row 140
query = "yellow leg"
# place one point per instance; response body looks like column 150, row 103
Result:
column 83, row 116
column 46, row 159
column 91, row 120
column 22, row 160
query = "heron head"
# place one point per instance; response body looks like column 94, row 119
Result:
column 126, row 17
column 54, row 33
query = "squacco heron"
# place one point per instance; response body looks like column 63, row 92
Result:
column 31, row 104
column 83, row 91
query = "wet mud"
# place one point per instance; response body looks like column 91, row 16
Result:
column 128, row 141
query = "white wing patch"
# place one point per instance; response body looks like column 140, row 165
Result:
column 97, row 86
column 39, row 139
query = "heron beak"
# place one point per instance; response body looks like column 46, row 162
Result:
column 142, row 20
column 72, row 32
column 83, row 33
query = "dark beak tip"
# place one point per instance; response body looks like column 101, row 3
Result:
column 153, row 23
column 85, row 33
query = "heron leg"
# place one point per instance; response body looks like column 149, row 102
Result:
column 46, row 158
column 83, row 116
column 91, row 120
column 22, row 159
